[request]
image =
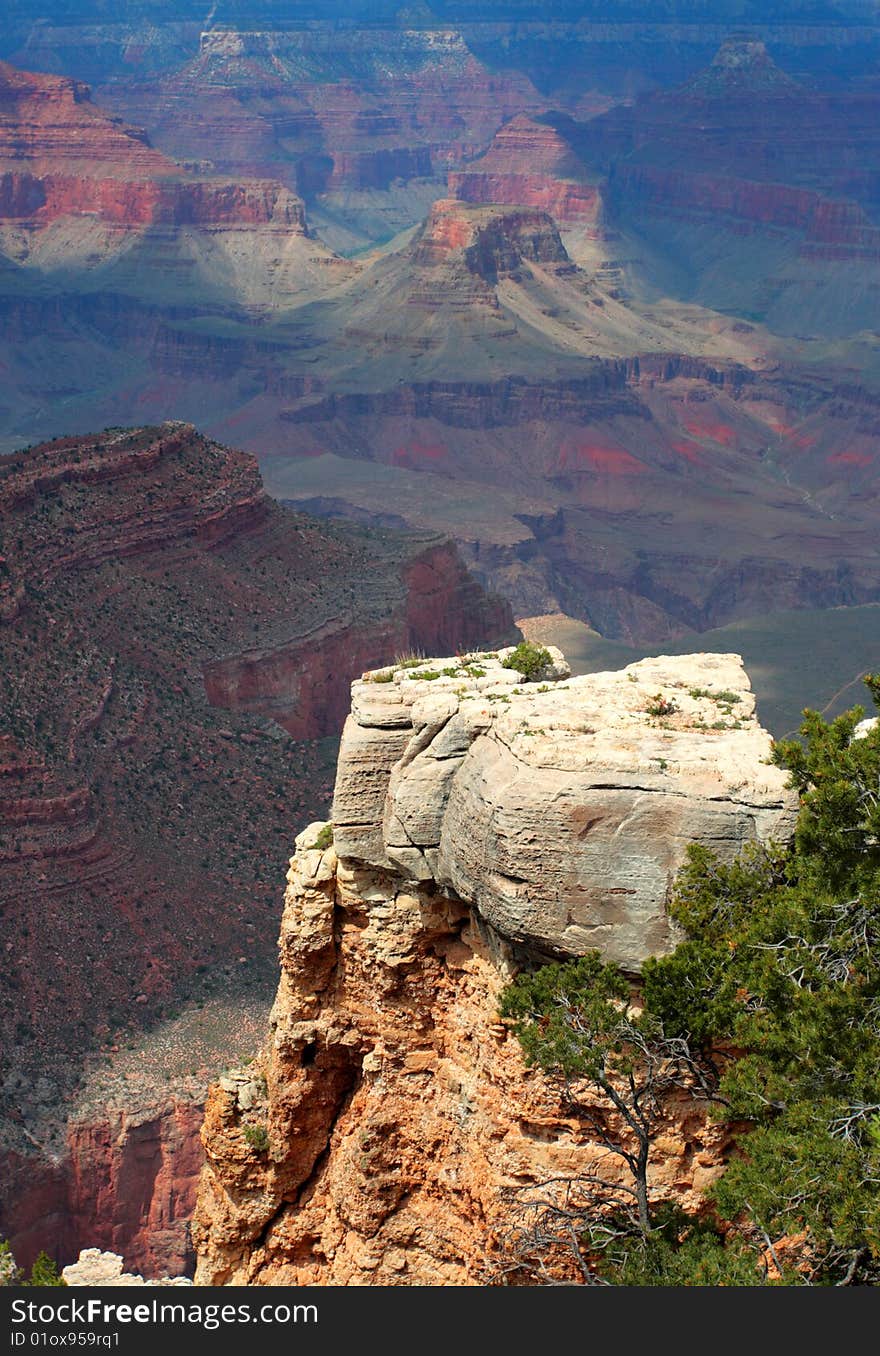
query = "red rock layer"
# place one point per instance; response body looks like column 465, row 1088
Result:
column 305, row 684
column 633, row 455
column 490, row 242
column 125, row 1179
column 61, row 156
column 51, row 121
column 830, row 229
column 530, row 164
column 349, row 109
column 744, row 143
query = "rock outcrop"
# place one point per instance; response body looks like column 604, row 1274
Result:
column 96, row 1268
column 490, row 243
column 341, row 109
column 560, row 811
column 80, row 188
column 388, row 1129
column 530, row 163
column 744, row 163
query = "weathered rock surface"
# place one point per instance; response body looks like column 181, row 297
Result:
column 395, row 1123
column 94, row 1267
column 529, row 163
column 385, row 1134
column 746, row 163
column 81, row 189
column 560, row 811
column 342, row 110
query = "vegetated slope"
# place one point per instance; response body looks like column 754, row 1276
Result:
column 175, row 646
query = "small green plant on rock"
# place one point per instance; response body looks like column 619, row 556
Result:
column 659, row 705
column 724, row 697
column 324, row 838
column 257, row 1137
column 527, row 659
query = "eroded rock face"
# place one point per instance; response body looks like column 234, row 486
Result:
column 160, row 620
column 529, row 163
column 384, row 1135
column 560, row 810
column 388, row 1129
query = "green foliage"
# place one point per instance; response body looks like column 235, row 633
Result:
column 725, row 696
column 576, row 1022
column 257, row 1136
column 658, row 705
column 426, row 675
column 527, row 659
column 541, row 1004
column 324, row 838
column 782, row 963
column 44, row 1272
column 776, row 988
column 681, row 1251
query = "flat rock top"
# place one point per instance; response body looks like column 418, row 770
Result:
column 689, row 716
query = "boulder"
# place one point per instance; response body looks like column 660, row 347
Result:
column 562, row 810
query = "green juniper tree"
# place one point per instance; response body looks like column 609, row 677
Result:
column 44, row 1272
column 615, row 1068
column 776, row 990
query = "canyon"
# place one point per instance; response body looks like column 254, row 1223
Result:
column 388, row 1128
column 512, row 311
column 176, row 655
column 665, row 467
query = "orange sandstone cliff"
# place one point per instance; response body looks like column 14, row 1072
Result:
column 389, row 1128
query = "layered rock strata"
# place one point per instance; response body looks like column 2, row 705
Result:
column 389, row 1129
column 530, row 163
column 559, row 810
column 173, row 647
column 80, row 189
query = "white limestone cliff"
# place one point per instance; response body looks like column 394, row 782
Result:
column 560, row 809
